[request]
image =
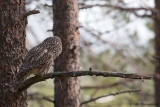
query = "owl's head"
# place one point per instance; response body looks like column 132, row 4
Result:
column 53, row 44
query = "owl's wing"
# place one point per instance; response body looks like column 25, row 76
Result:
column 35, row 58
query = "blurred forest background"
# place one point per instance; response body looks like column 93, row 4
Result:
column 112, row 38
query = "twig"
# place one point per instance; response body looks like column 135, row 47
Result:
column 50, row 30
column 127, row 9
column 47, row 5
column 112, row 94
column 84, row 6
column 27, row 83
column 31, row 13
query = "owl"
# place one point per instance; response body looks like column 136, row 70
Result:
column 39, row 59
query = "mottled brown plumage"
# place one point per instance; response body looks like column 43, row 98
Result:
column 39, row 58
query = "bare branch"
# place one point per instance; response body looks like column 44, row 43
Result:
column 128, row 9
column 112, row 94
column 27, row 83
column 144, row 15
column 50, row 30
column 47, row 5
column 84, row 6
column 31, row 13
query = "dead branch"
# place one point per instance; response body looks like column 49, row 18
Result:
column 27, row 83
column 47, row 5
column 112, row 94
column 31, row 13
column 85, row 6
column 144, row 15
column 127, row 9
column 50, row 30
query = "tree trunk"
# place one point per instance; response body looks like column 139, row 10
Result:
column 12, row 50
column 65, row 26
column 157, row 53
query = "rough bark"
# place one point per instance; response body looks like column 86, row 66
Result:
column 157, row 53
column 65, row 26
column 12, row 50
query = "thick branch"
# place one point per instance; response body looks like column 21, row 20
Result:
column 31, row 13
column 112, row 94
column 27, row 83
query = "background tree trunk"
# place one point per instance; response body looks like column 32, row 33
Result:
column 12, row 49
column 65, row 26
column 157, row 53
